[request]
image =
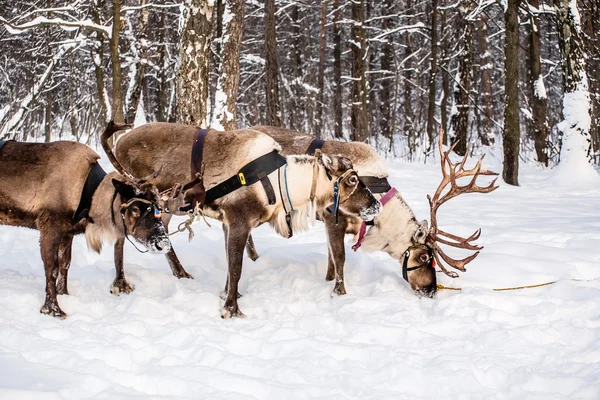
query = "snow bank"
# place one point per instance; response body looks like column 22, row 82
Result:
column 166, row 339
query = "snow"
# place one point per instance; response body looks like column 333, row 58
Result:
column 539, row 90
column 166, row 339
column 574, row 168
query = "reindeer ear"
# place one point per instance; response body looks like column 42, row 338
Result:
column 345, row 163
column 125, row 190
column 326, row 161
column 420, row 235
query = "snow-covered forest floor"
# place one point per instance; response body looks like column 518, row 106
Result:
column 167, row 340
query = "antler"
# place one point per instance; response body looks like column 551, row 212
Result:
column 110, row 130
column 436, row 236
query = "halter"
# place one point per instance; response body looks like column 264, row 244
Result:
column 336, row 193
column 406, row 269
column 125, row 206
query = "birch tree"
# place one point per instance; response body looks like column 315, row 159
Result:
column 228, row 80
column 192, row 78
column 575, row 126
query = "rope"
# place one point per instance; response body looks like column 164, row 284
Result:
column 442, row 287
column 187, row 224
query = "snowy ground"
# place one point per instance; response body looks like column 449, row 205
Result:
column 166, row 339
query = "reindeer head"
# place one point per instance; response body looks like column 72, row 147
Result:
column 140, row 203
column 141, row 212
column 421, row 258
column 353, row 197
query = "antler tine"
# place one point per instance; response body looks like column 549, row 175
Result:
column 459, row 242
column 457, row 264
column 450, row 176
column 107, row 134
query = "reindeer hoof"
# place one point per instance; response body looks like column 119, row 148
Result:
column 223, row 295
column 330, row 276
column 121, row 286
column 339, row 289
column 182, row 274
column 53, row 310
column 231, row 312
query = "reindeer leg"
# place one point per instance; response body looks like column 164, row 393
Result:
column 251, row 249
column 223, row 294
column 64, row 262
column 120, row 284
column 337, row 252
column 176, row 267
column 237, row 236
column 50, row 240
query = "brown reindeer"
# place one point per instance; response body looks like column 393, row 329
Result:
column 165, row 149
column 41, row 186
column 395, row 230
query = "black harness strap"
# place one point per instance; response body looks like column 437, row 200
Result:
column 95, row 176
column 375, row 184
column 3, row 142
column 196, row 166
column 314, row 145
column 254, row 171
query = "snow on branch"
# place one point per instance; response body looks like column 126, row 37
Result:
column 19, row 115
column 61, row 23
column 404, row 28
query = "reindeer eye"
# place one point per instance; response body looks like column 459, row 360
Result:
column 135, row 210
column 353, row 180
column 423, row 258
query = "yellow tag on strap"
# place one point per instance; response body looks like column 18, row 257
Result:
column 242, row 178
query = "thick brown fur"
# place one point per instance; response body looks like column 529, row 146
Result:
column 395, row 228
column 40, row 188
column 165, row 149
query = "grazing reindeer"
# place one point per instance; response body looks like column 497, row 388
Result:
column 305, row 184
column 43, row 186
column 395, row 230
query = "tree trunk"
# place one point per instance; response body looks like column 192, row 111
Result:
column 274, row 117
column 409, row 121
column 387, row 66
column 318, row 123
column 192, row 78
column 358, row 118
column 576, row 101
column 445, row 76
column 459, row 120
column 486, row 129
column 97, row 56
column 163, row 87
column 591, row 26
column 227, row 85
column 538, row 90
column 117, row 92
column 432, row 76
column 48, row 116
column 337, row 71
column 512, row 130
column 134, row 92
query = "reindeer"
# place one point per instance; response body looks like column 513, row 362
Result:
column 305, row 184
column 395, row 230
column 44, row 185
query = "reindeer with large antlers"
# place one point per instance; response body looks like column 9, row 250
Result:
column 436, row 236
column 395, row 230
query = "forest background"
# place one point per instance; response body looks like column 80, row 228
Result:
column 518, row 74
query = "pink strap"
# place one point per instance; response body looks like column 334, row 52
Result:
column 363, row 227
